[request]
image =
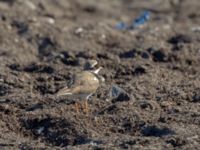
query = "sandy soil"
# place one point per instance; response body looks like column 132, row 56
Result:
column 43, row 43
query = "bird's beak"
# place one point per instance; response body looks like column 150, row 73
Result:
column 97, row 70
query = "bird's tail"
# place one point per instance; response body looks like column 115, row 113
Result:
column 64, row 91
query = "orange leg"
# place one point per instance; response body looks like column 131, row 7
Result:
column 86, row 109
column 77, row 107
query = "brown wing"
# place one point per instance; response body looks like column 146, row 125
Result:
column 85, row 78
column 85, row 82
column 64, row 91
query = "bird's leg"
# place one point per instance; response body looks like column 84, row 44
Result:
column 77, row 107
column 86, row 109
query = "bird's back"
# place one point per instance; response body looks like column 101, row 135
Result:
column 84, row 83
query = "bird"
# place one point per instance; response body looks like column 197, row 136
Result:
column 84, row 85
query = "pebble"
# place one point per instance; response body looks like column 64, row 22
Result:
column 180, row 38
column 142, row 19
column 145, row 55
column 30, row 4
column 40, row 130
column 156, row 131
column 4, row 101
column 128, row 54
column 159, row 56
column 139, row 70
column 118, row 94
column 79, row 30
column 90, row 64
column 121, row 26
column 195, row 29
column 35, row 107
column 196, row 97
column 50, row 20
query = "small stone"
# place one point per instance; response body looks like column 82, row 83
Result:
column 180, row 38
column 156, row 131
column 72, row 61
column 151, row 50
column 50, row 20
column 196, row 97
column 40, row 130
column 139, row 70
column 145, row 55
column 35, row 107
column 79, row 30
column 3, row 101
column 142, row 19
column 47, row 69
column 22, row 27
column 46, row 46
column 90, row 64
column 69, row 58
column 176, row 141
column 33, row 67
column 103, row 36
column 3, row 90
column 195, row 29
column 118, row 94
column 129, row 54
column 15, row 67
column 159, row 56
column 30, row 5
column 121, row 26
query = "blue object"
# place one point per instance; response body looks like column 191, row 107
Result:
column 121, row 26
column 143, row 18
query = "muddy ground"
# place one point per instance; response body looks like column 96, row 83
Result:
column 43, row 43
